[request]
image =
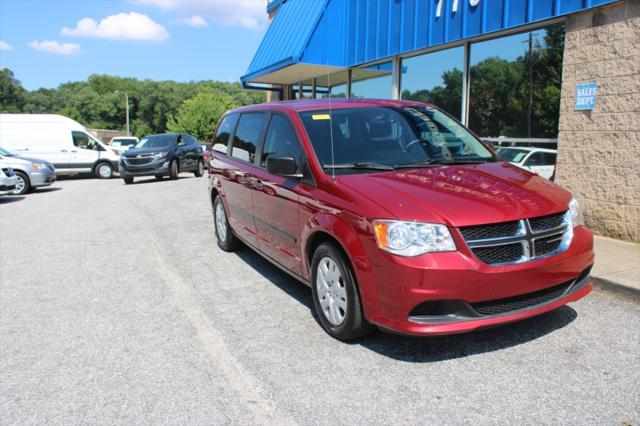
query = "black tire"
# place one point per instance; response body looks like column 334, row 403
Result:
column 354, row 325
column 230, row 242
column 159, row 177
column 173, row 170
column 26, row 183
column 199, row 169
column 128, row 180
column 103, row 170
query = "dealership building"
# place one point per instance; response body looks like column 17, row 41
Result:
column 560, row 74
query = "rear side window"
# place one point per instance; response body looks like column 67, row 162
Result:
column 281, row 139
column 541, row 159
column 223, row 134
column 245, row 140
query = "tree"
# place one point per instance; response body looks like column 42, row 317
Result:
column 199, row 115
column 12, row 94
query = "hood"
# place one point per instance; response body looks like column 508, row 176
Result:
column 461, row 195
column 19, row 159
column 133, row 152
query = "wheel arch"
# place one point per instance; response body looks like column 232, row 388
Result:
column 343, row 236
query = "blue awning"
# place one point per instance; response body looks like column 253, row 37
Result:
column 286, row 39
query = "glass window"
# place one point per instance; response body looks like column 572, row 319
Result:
column 540, row 158
column 223, row 133
column 373, row 81
column 247, row 134
column 512, row 155
column 281, row 139
column 157, row 141
column 361, row 139
column 84, row 141
column 435, row 78
column 515, row 85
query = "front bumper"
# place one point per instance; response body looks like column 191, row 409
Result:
column 445, row 293
column 155, row 167
column 42, row 177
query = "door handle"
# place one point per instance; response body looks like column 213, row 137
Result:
column 74, row 151
column 63, row 150
column 256, row 183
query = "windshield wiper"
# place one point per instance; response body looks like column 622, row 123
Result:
column 358, row 166
column 435, row 162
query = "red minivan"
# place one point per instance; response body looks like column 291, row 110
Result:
column 396, row 216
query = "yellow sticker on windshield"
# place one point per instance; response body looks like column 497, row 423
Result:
column 321, row 116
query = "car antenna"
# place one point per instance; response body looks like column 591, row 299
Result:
column 333, row 160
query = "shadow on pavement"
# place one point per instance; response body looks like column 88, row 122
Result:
column 151, row 179
column 425, row 349
column 46, row 189
column 7, row 199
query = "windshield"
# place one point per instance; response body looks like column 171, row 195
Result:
column 5, row 153
column 386, row 138
column 157, row 141
column 512, row 155
column 123, row 141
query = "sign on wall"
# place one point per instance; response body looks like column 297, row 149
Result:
column 586, row 95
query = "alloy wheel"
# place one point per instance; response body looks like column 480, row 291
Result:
column 221, row 222
column 332, row 292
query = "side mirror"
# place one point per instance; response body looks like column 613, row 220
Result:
column 282, row 165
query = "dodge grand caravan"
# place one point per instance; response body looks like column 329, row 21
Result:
column 396, row 216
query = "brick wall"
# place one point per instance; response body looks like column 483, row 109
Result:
column 599, row 150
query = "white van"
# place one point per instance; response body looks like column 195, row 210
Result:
column 58, row 140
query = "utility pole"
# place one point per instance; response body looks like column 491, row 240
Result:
column 530, row 103
column 126, row 101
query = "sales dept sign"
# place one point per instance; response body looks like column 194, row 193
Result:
column 586, row 96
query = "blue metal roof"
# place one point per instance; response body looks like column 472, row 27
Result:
column 347, row 33
column 287, row 36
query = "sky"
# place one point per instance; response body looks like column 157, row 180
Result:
column 49, row 42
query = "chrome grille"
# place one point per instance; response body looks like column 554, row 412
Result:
column 519, row 241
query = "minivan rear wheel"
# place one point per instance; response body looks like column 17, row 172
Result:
column 335, row 295
column 227, row 241
column 104, row 170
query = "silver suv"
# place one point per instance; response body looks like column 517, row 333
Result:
column 30, row 172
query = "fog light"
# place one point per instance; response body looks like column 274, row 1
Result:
column 165, row 164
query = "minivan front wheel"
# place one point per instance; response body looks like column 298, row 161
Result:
column 227, row 241
column 335, row 295
column 22, row 185
column 104, row 171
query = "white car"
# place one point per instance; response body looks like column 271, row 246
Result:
column 123, row 143
column 8, row 179
column 536, row 160
column 59, row 140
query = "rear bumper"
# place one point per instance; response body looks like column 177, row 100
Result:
column 454, row 286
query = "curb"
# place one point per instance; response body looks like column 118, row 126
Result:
column 624, row 292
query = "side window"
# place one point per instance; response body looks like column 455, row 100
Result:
column 225, row 128
column 535, row 159
column 549, row 159
column 281, row 139
column 245, row 140
column 81, row 140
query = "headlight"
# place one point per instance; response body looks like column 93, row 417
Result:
column 412, row 238
column 576, row 213
column 160, row 154
column 36, row 166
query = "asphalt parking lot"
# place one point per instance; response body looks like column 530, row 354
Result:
column 116, row 306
